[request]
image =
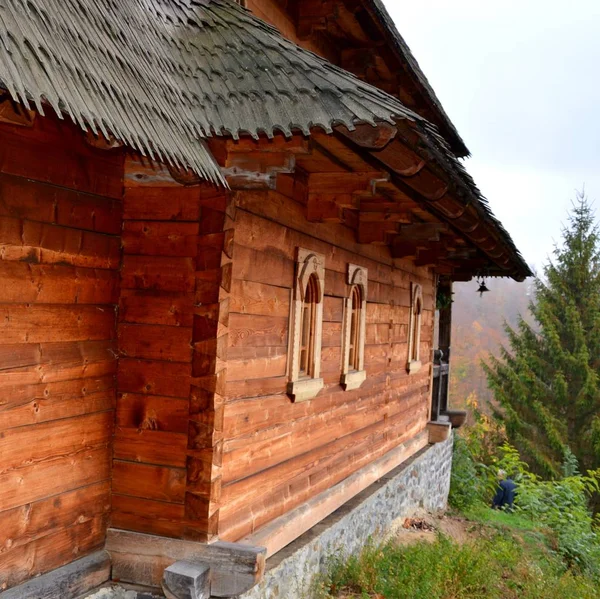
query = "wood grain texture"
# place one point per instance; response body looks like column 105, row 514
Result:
column 60, row 224
column 155, row 334
column 277, row 454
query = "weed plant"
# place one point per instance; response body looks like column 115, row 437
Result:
column 498, row 566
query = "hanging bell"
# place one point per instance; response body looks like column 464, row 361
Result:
column 482, row 288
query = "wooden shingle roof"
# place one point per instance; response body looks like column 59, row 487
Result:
column 399, row 45
column 164, row 75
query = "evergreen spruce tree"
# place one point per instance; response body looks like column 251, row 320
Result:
column 547, row 382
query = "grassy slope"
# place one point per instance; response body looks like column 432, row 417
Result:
column 507, row 558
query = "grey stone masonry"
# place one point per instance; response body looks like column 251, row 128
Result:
column 422, row 482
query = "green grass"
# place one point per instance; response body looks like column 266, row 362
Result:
column 507, row 559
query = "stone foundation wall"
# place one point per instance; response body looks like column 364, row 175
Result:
column 422, row 482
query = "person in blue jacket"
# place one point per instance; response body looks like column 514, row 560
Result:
column 505, row 494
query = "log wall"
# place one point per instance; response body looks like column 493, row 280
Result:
column 164, row 431
column 278, row 454
column 60, row 223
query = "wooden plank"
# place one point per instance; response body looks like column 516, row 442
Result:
column 277, row 499
column 249, row 330
column 155, row 342
column 237, row 493
column 285, row 529
column 332, row 334
column 149, row 516
column 156, row 307
column 150, row 447
column 30, row 364
column 262, row 267
column 171, row 379
column 36, row 481
column 248, row 297
column 56, row 284
column 333, row 309
column 149, row 482
column 159, row 203
column 158, row 273
column 156, row 238
column 31, row 200
column 64, row 545
column 276, row 222
column 37, row 323
column 73, row 580
column 50, row 244
column 32, row 521
column 55, row 152
column 252, row 388
column 256, row 368
column 152, row 412
column 51, row 401
column 44, row 442
column 234, row 568
column 247, row 455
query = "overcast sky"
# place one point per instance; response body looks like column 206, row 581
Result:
column 521, row 82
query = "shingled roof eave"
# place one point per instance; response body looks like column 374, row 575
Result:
column 404, row 53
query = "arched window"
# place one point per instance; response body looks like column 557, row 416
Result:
column 306, row 326
column 355, row 307
column 353, row 373
column 414, row 329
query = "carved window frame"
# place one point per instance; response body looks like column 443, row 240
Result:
column 413, row 363
column 353, row 375
column 310, row 270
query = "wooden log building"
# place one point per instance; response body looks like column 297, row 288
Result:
column 224, row 231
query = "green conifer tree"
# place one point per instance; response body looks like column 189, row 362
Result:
column 547, row 382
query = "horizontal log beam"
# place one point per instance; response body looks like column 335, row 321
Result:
column 73, row 580
column 140, row 558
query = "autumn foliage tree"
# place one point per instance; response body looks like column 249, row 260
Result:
column 546, row 382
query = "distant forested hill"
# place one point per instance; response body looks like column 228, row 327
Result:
column 478, row 329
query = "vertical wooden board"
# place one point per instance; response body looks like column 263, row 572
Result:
column 149, row 482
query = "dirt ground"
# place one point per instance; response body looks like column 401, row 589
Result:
column 424, row 527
